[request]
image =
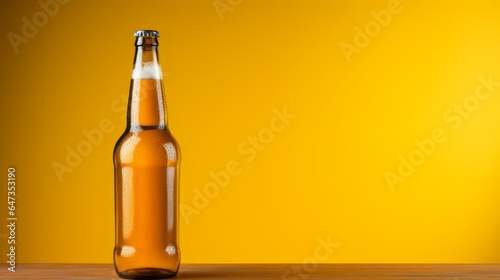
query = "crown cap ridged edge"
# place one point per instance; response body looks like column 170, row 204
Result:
column 146, row 33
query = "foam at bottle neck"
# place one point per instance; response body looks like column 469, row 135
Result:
column 148, row 70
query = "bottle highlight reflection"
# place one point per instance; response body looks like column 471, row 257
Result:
column 146, row 159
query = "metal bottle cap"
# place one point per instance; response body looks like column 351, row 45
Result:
column 147, row 33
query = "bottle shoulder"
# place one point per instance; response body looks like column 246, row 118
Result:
column 153, row 145
column 150, row 136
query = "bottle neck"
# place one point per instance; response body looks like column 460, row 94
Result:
column 146, row 109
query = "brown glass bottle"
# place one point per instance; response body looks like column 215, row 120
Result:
column 146, row 160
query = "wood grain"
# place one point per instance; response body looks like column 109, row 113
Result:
column 270, row 271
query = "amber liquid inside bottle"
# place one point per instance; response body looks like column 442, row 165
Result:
column 146, row 159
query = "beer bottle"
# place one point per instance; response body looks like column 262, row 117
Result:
column 146, row 160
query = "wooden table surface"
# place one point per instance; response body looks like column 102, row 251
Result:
column 269, row 271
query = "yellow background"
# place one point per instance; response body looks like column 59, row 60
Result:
column 323, row 175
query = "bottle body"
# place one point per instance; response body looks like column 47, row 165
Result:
column 147, row 171
column 146, row 160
